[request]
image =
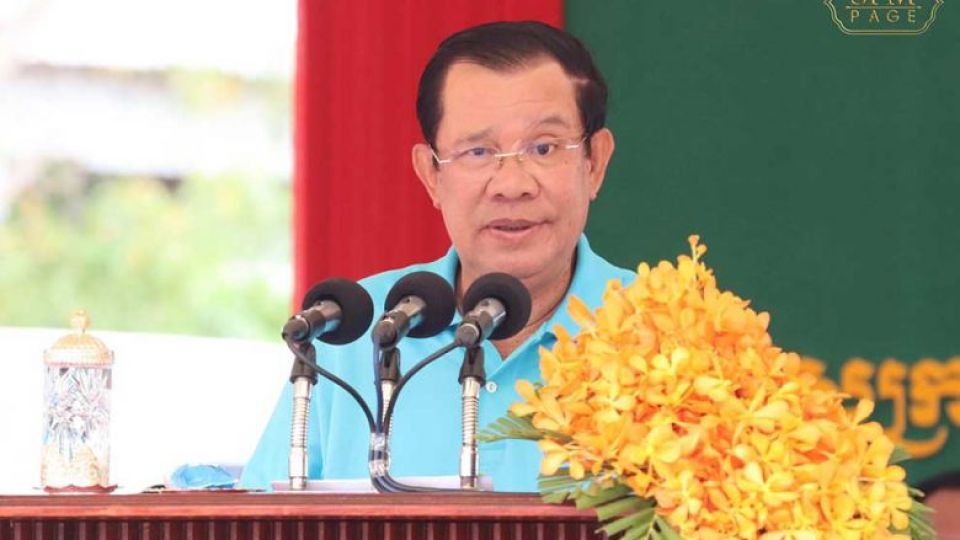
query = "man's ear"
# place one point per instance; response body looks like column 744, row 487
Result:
column 423, row 165
column 601, row 149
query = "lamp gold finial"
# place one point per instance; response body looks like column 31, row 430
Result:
column 80, row 322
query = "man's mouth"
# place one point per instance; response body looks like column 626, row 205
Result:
column 511, row 225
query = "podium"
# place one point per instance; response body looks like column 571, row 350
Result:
column 256, row 516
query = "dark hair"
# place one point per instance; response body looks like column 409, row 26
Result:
column 506, row 46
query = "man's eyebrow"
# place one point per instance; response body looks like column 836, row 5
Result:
column 553, row 120
column 474, row 137
column 477, row 136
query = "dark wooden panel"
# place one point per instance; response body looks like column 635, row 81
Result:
column 233, row 505
column 305, row 529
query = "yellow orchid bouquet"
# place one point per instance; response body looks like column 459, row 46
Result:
column 674, row 415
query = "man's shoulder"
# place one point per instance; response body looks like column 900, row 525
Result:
column 607, row 268
column 595, row 266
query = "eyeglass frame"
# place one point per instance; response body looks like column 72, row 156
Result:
column 501, row 156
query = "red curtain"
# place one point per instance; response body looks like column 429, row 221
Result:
column 358, row 207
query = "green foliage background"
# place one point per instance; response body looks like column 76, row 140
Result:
column 208, row 256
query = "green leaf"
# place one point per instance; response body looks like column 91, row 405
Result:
column 558, row 481
column 639, row 520
column 558, row 488
column 920, row 527
column 518, row 428
column 511, row 427
column 620, row 513
column 603, row 496
column 639, row 532
column 620, row 507
column 899, row 455
column 558, row 497
column 664, row 530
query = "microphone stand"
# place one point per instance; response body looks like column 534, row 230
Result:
column 472, row 378
column 303, row 377
column 379, row 455
column 388, row 373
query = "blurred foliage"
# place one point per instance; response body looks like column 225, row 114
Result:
column 205, row 92
column 207, row 256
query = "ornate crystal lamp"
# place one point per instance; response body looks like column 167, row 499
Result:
column 76, row 420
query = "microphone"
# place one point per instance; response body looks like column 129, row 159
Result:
column 497, row 306
column 420, row 305
column 336, row 311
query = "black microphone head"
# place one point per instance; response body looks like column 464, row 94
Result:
column 355, row 305
column 510, row 292
column 435, row 292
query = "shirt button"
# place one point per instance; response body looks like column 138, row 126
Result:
column 491, row 387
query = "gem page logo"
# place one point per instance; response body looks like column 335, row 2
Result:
column 883, row 17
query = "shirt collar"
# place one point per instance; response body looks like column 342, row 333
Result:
column 584, row 285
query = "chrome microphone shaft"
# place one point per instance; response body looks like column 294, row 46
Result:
column 304, row 377
column 298, row 433
column 472, row 378
column 469, row 458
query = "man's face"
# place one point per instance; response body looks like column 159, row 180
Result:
column 518, row 218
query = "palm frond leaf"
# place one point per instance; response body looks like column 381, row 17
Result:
column 899, row 455
column 510, row 427
column 622, row 515
column 519, row 428
column 920, row 527
column 559, row 488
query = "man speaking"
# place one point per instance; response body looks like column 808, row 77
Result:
column 515, row 150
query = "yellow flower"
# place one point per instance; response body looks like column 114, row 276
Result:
column 675, row 388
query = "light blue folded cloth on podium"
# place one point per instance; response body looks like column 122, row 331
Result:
column 201, row 477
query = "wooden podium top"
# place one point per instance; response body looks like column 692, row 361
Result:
column 279, row 505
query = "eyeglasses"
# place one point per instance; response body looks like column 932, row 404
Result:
column 542, row 153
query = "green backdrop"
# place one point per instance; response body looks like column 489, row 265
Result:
column 821, row 169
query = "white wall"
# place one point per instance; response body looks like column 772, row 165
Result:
column 176, row 400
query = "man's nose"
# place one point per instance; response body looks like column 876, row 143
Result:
column 511, row 180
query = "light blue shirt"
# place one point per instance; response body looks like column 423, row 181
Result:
column 426, row 429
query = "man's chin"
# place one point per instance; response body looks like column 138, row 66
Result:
column 518, row 264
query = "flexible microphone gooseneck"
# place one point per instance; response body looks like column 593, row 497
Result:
column 335, row 311
column 379, row 455
column 420, row 304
